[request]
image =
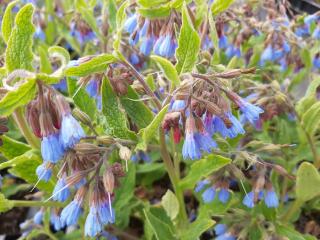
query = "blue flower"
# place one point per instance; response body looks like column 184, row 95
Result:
column 220, row 229
column 93, row 224
column 71, row 213
column 92, row 88
column 250, row 111
column 286, row 46
column 201, row 185
column 190, row 149
column 224, row 195
column 43, row 172
column 167, row 47
column 108, row 236
column 205, row 141
column 302, row 31
column 207, row 43
column 106, row 213
column 61, row 192
column 61, row 86
column 38, row 217
column 39, row 34
column 310, row 19
column 71, row 132
column 131, row 23
column 141, row 155
column 157, row 45
column 56, row 221
column 178, row 105
column 144, row 30
column 249, row 200
column 146, row 45
column 316, row 33
column 223, row 42
column 316, row 62
column 209, row 194
column 134, row 59
column 236, row 127
column 267, row 55
column 51, row 149
column 271, row 199
column 134, row 39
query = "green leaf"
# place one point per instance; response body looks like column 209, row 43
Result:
column 289, row 233
column 196, row 228
column 203, row 168
column 120, row 20
column 136, row 109
column 149, row 132
column 308, row 182
column 168, row 69
column 306, row 58
column 19, row 97
column 5, row 204
column 150, row 3
column 219, row 6
column 60, row 53
column 311, row 118
column 188, row 45
column 159, row 227
column 158, row 12
column 201, row 11
column 19, row 50
column 116, row 122
column 81, row 98
column 170, row 204
column 24, row 166
column 12, row 148
column 150, row 82
column 7, row 21
column 112, row 9
column 45, row 65
column 94, row 65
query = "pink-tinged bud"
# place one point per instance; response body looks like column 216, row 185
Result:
column 81, row 193
column 108, row 181
column 52, row 109
column 63, row 105
column 117, row 170
column 190, row 125
column 32, row 115
column 46, row 125
column 176, row 134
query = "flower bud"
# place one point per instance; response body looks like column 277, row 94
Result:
column 106, row 140
column 108, row 180
column 124, row 153
column 82, row 116
column 87, row 148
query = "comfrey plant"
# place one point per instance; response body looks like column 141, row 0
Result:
column 159, row 120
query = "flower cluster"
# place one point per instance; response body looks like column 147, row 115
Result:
column 153, row 35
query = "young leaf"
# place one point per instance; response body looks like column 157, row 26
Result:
column 158, row 12
column 120, row 19
column 308, row 182
column 188, row 45
column 196, row 228
column 311, row 118
column 18, row 97
column 5, row 204
column 137, row 111
column 168, row 69
column 94, row 65
column 159, row 227
column 170, row 203
column 7, row 21
column 19, row 50
column 203, row 168
column 12, row 148
column 81, row 98
column 45, row 65
column 147, row 133
column 116, row 122
column 219, row 6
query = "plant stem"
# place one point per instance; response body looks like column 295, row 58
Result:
column 23, row 203
column 292, row 210
column 20, row 120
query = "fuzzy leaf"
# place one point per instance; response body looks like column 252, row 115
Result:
column 196, row 228
column 136, row 109
column 311, row 118
column 170, row 204
column 94, row 65
column 120, row 20
column 188, row 45
column 12, row 148
column 5, row 204
column 19, row 50
column 150, row 131
column 158, row 12
column 116, row 122
column 150, row 3
column 219, row 6
column 168, row 69
column 159, row 227
column 308, row 182
column 18, row 97
column 203, row 168
column 7, row 21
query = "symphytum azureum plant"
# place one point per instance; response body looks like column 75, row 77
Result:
column 159, row 120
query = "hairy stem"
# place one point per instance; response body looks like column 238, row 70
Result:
column 21, row 121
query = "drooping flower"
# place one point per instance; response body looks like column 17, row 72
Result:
column 61, row 192
column 224, row 195
column 271, row 199
column 44, row 171
column 131, row 23
column 249, row 200
column 134, row 59
column 51, row 148
column 93, row 224
column 141, row 155
column 316, row 33
column 223, row 42
column 56, row 221
column 250, row 111
column 167, row 47
column 201, row 185
column 316, row 61
column 146, row 45
column 209, row 194
column 220, row 229
column 190, row 149
column 310, row 19
column 267, row 55
column 39, row 34
column 38, row 217
column 178, row 105
column 205, row 141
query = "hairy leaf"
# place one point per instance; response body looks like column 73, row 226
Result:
column 7, row 21
column 170, row 204
column 5, row 204
column 168, row 69
column 219, row 6
column 196, row 228
column 12, row 148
